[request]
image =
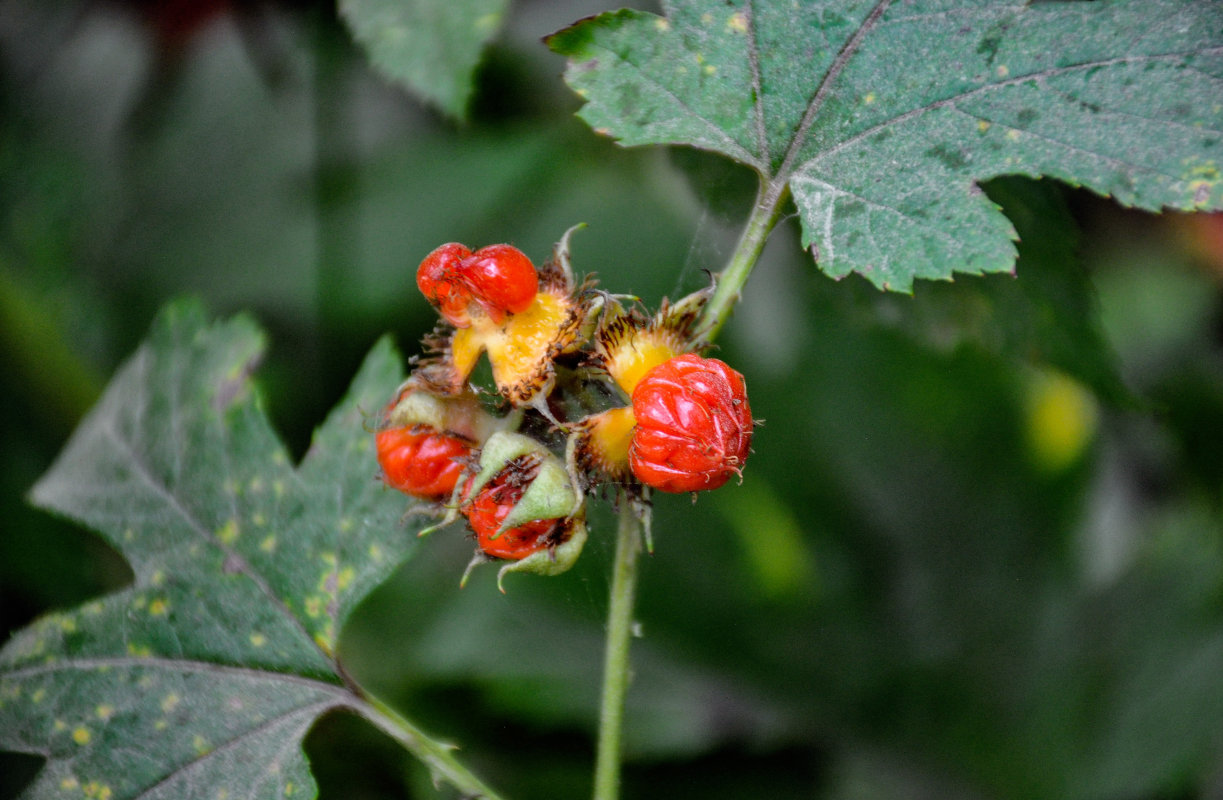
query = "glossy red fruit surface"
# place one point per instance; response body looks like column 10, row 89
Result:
column 694, row 425
column 488, row 509
column 421, row 462
column 498, row 279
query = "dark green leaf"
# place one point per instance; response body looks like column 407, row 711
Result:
column 432, row 47
column 201, row 679
column 882, row 117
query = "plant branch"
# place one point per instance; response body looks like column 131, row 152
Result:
column 616, row 663
column 437, row 756
column 765, row 213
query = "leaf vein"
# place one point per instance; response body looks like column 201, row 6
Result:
column 272, row 723
column 952, row 100
column 821, row 91
column 232, row 557
column 178, row 665
column 753, row 58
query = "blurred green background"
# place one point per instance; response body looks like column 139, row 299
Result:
column 979, row 549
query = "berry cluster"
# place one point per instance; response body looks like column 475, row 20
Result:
column 620, row 393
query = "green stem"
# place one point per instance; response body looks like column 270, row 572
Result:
column 615, row 664
column 437, row 756
column 765, row 213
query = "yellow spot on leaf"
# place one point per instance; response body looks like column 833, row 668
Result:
column 982, row 126
column 170, row 702
column 737, row 22
column 268, row 544
column 138, row 650
column 1003, row 70
column 1199, row 192
column 323, row 642
column 344, row 579
column 662, row 24
column 39, row 695
column 59, row 726
column 710, row 69
column 104, row 711
column 228, row 533
column 375, row 552
column 1012, row 135
column 67, row 624
column 289, row 789
column 69, row 783
column 869, row 99
column 158, row 578
column 486, row 24
column 98, row 791
column 314, row 606
column 258, row 639
column 202, row 746
column 81, row 735
column 159, row 607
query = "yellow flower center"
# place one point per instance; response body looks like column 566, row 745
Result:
column 633, row 356
column 611, row 433
column 518, row 348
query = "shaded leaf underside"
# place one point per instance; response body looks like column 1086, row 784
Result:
column 201, row 679
column 881, row 117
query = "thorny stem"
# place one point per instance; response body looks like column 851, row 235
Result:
column 437, row 756
column 615, row 663
column 765, row 213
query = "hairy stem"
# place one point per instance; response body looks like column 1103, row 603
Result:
column 765, row 213
column 615, row 663
column 437, row 756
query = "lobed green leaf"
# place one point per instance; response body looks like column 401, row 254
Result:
column 881, row 118
column 201, row 678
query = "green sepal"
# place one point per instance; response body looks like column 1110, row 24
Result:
column 550, row 495
column 500, row 449
column 550, row 561
column 418, row 408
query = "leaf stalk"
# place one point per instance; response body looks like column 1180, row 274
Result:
column 765, row 212
column 437, row 756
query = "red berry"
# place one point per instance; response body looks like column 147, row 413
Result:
column 439, row 278
column 694, row 426
column 420, row 461
column 489, row 508
column 499, row 279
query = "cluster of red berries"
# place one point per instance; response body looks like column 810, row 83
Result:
column 590, row 394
